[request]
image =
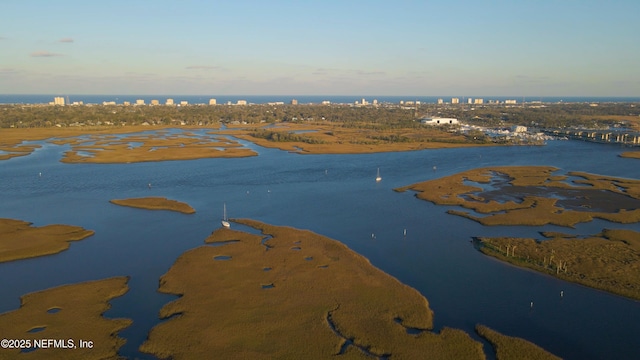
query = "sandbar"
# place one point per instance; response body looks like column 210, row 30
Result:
column 19, row 240
column 155, row 203
column 69, row 313
column 289, row 293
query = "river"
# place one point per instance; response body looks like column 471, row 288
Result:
column 333, row 195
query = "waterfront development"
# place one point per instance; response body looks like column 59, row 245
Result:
column 406, row 248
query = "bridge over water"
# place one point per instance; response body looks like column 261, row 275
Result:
column 623, row 137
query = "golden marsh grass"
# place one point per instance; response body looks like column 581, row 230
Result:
column 330, row 138
column 153, row 148
column 103, row 147
column 325, row 138
column 631, row 154
column 19, row 240
column 295, row 295
column 533, row 210
column 67, row 312
column 155, row 203
column 608, row 261
column 511, row 348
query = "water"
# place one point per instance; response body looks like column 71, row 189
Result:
column 333, row 195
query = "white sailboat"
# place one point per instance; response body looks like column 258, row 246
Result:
column 378, row 177
column 225, row 221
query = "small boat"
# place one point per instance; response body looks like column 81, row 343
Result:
column 378, row 177
column 225, row 221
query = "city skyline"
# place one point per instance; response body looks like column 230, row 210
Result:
column 546, row 48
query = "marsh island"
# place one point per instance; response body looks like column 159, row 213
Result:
column 155, row 203
column 72, row 313
column 294, row 294
column 20, row 240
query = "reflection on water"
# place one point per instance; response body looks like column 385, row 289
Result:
column 333, row 195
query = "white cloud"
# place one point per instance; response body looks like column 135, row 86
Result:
column 44, row 53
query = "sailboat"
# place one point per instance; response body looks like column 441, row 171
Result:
column 378, row 177
column 225, row 221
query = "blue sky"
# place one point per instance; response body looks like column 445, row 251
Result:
column 251, row 47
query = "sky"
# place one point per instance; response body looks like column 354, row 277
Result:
column 329, row 47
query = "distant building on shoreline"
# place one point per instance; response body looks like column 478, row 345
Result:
column 438, row 121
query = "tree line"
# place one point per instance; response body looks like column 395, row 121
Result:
column 366, row 117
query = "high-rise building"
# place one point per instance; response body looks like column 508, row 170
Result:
column 169, row 102
column 294, row 102
column 139, row 102
column 478, row 101
column 155, row 102
column 440, row 101
column 455, row 101
column 470, row 101
column 58, row 100
column 212, row 101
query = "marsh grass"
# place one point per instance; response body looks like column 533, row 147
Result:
column 331, row 138
column 105, row 148
column 608, row 261
column 78, row 315
column 19, row 240
column 224, row 310
column 512, row 348
column 17, row 150
column 326, row 138
column 155, row 203
column 631, row 154
column 529, row 210
column 157, row 147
